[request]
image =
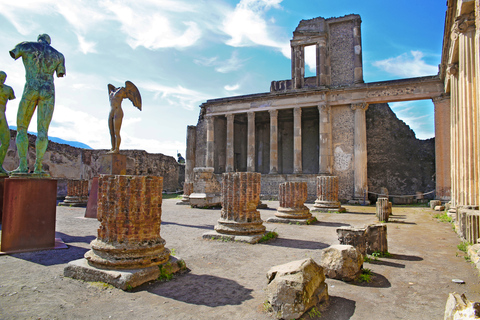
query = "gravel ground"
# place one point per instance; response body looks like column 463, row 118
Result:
column 226, row 279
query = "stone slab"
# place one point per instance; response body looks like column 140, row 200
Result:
column 214, row 235
column 113, row 163
column 329, row 210
column 205, row 200
column 29, row 214
column 122, row 279
column 92, row 204
column 291, row 221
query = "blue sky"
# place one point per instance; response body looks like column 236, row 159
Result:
column 181, row 53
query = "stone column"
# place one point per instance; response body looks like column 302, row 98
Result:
column 129, row 211
column 273, row 141
column 327, row 195
column 292, row 197
column 251, row 142
column 452, row 72
column 189, row 165
column 360, row 152
column 77, row 193
column 240, row 220
column 442, row 148
column 209, row 160
column 357, row 45
column 297, row 140
column 325, row 157
column 322, row 63
column 298, row 66
column 383, row 209
column 230, row 143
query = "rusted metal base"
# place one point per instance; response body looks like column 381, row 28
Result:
column 29, row 212
column 59, row 244
column 91, row 211
column 2, row 184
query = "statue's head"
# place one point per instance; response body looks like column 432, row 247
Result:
column 3, row 76
column 44, row 38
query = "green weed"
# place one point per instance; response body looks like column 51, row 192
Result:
column 463, row 246
column 365, row 276
column 314, row 313
column 443, row 217
column 312, row 221
column 268, row 236
column 173, row 252
column 164, row 275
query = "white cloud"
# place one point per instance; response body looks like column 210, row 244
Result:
column 176, row 96
column 247, row 26
column 232, row 88
column 311, row 58
column 418, row 115
column 407, row 65
column 232, row 64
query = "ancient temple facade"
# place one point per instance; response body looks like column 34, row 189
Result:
column 460, row 71
column 305, row 126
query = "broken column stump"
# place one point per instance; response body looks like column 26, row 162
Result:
column 383, row 209
column 376, row 238
column 206, row 189
column 295, row 287
column 187, row 191
column 327, row 195
column 77, row 193
column 240, row 219
column 128, row 241
column 354, row 237
column 292, row 209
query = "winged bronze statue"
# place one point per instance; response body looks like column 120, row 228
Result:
column 116, row 96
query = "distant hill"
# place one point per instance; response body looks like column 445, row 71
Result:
column 75, row 144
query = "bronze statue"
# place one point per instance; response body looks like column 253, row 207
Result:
column 115, row 118
column 6, row 93
column 41, row 61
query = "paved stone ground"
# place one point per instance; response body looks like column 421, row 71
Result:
column 226, row 279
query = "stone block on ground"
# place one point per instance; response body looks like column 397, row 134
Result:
column 439, row 208
column 293, row 288
column 342, row 262
column 376, row 238
column 434, row 203
column 354, row 237
column 459, row 307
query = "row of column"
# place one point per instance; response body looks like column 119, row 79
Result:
column 325, row 143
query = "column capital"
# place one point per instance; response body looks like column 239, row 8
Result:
column 323, row 107
column 441, row 98
column 230, row 116
column 273, row 112
column 452, row 69
column 360, row 106
column 464, row 23
column 297, row 110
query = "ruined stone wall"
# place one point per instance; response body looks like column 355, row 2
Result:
column 343, row 139
column 396, row 159
column 341, row 53
column 67, row 162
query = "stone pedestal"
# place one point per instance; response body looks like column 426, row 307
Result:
column 29, row 212
column 113, row 163
column 92, row 205
column 240, row 220
column 2, row 187
column 292, row 197
column 77, row 194
column 206, row 189
column 327, row 195
column 384, row 209
column 376, row 238
column 129, row 211
column 187, row 191
column 354, row 237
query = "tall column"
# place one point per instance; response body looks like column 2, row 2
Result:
column 442, row 148
column 452, row 72
column 190, row 155
column 230, row 143
column 251, row 142
column 360, row 151
column 298, row 66
column 273, row 141
column 327, row 195
column 297, row 140
column 322, row 63
column 210, row 144
column 357, row 45
column 325, row 157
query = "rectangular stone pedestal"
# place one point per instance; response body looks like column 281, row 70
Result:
column 92, row 205
column 2, row 185
column 29, row 212
column 113, row 163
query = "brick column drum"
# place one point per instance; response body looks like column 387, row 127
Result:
column 240, row 220
column 327, row 195
column 77, row 193
column 129, row 211
column 292, row 197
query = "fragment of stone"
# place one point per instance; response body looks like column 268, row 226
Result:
column 459, row 307
column 376, row 238
column 434, row 203
column 295, row 287
column 342, row 262
column 439, row 208
column 327, row 195
column 354, row 237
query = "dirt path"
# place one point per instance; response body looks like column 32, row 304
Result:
column 226, row 279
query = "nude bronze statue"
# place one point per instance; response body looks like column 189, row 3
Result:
column 115, row 117
column 41, row 61
column 6, row 93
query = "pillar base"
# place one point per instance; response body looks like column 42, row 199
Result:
column 185, row 201
column 205, row 200
column 291, row 213
column 29, row 213
column 327, row 206
column 240, row 228
column 291, row 221
column 252, row 239
column 123, row 279
column 73, row 202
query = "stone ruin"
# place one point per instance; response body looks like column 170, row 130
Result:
column 77, row 193
column 292, row 209
column 367, row 240
column 327, row 195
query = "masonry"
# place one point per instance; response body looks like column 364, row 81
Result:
column 305, row 126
